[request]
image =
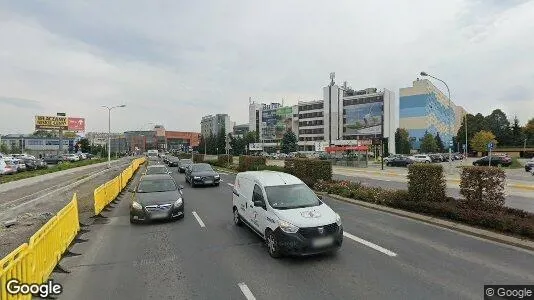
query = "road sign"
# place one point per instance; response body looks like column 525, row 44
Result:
column 450, row 144
column 490, row 146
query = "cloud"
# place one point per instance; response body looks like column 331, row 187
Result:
column 20, row 103
column 172, row 62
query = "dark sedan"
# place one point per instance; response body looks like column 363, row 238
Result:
column 183, row 164
column 201, row 174
column 34, row 164
column 498, row 161
column 156, row 197
column 173, row 161
column 53, row 160
column 399, row 162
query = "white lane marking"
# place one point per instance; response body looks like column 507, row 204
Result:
column 230, row 184
column 224, row 173
column 369, row 244
column 199, row 220
column 246, row 291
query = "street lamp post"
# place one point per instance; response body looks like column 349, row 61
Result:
column 109, row 129
column 450, row 121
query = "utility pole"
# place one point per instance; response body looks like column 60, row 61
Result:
column 109, row 130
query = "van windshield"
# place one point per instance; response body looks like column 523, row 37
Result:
column 291, row 196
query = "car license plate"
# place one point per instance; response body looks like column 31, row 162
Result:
column 208, row 182
column 159, row 215
column 322, row 242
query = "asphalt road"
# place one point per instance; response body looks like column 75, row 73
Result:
column 185, row 260
column 514, row 201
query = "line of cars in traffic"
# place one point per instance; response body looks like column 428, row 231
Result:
column 278, row 207
column 400, row 160
column 16, row 163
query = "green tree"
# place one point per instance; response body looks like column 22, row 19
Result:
column 481, row 139
column 84, row 145
column 498, row 124
column 518, row 136
column 439, row 143
column 43, row 133
column 428, row 143
column 528, row 130
column 289, row 142
column 221, row 141
column 402, row 141
column 4, row 148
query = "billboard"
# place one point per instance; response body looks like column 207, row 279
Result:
column 276, row 122
column 76, row 124
column 255, row 147
column 51, row 122
column 364, row 119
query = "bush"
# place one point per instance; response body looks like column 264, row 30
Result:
column 483, row 187
column 426, row 182
column 225, row 159
column 198, row 158
column 271, row 168
column 309, row 170
column 250, row 163
column 184, row 155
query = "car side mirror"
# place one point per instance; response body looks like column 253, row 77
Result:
column 320, row 197
column 259, row 204
column 180, row 187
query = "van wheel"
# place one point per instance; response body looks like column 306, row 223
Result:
column 237, row 218
column 272, row 245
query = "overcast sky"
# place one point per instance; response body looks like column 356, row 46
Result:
column 171, row 62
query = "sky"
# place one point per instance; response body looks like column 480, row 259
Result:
column 172, row 62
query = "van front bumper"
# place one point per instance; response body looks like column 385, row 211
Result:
column 296, row 244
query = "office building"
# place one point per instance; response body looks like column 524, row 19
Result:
column 213, row 124
column 272, row 121
column 425, row 108
column 35, row 145
column 161, row 139
column 240, row 130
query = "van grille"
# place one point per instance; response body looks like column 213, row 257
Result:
column 311, row 232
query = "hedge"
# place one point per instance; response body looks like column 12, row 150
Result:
column 309, row 170
column 198, row 158
column 483, row 187
column 225, row 159
column 426, row 182
column 506, row 220
column 250, row 163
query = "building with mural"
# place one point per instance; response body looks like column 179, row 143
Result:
column 425, row 108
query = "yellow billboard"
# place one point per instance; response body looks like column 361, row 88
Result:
column 51, row 122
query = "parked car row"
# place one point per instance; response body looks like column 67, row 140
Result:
column 10, row 165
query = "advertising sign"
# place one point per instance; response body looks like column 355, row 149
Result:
column 51, row 122
column 321, row 146
column 255, row 147
column 76, row 124
column 364, row 119
column 276, row 122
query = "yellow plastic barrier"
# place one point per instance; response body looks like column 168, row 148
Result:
column 108, row 191
column 14, row 266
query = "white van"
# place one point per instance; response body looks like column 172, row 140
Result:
column 286, row 213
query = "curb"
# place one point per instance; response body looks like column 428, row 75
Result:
column 522, row 186
column 481, row 233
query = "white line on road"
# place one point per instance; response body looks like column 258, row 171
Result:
column 246, row 291
column 230, row 184
column 369, row 244
column 199, row 220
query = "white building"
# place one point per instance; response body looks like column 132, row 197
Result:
column 213, row 124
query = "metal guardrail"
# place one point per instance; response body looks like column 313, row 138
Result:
column 108, row 191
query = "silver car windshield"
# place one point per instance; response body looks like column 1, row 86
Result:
column 291, row 196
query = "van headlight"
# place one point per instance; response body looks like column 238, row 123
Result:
column 287, row 227
column 137, row 205
column 178, row 202
column 338, row 220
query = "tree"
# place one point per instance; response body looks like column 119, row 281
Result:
column 402, row 141
column 84, row 145
column 528, row 130
column 221, row 141
column 428, row 143
column 518, row 136
column 4, row 148
column 43, row 133
column 289, row 142
column 481, row 139
column 69, row 134
column 439, row 143
column 498, row 124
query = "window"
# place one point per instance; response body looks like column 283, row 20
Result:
column 257, row 194
column 291, row 196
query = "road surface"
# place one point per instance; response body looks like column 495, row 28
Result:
column 204, row 256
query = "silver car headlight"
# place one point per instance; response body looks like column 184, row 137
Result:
column 137, row 205
column 179, row 202
column 196, row 177
column 338, row 220
column 287, row 227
